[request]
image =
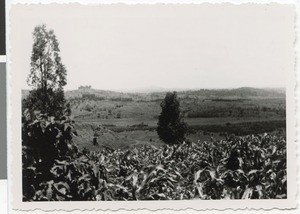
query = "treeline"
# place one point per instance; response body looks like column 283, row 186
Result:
column 94, row 97
column 235, row 112
column 240, row 129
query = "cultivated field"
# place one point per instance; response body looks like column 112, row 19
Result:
column 224, row 169
column 117, row 154
column 132, row 117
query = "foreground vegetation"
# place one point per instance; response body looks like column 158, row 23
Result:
column 54, row 169
column 250, row 167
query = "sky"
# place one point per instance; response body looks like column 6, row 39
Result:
column 125, row 47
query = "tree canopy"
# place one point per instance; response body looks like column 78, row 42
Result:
column 47, row 70
column 47, row 74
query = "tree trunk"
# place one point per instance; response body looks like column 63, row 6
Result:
column 43, row 85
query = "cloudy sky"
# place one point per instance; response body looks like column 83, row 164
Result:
column 168, row 46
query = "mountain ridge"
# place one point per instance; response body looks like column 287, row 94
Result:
column 232, row 92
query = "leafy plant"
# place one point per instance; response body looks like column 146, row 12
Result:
column 250, row 167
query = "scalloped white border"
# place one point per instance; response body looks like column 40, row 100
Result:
column 14, row 168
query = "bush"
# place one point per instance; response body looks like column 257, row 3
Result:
column 118, row 115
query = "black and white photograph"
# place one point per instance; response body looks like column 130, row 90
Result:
column 187, row 104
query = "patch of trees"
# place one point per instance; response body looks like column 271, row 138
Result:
column 122, row 99
column 229, row 100
column 86, row 87
column 246, row 128
column 93, row 97
column 140, row 125
column 88, row 108
column 234, row 112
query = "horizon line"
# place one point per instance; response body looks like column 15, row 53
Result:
column 135, row 90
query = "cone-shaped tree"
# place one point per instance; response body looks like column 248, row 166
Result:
column 171, row 128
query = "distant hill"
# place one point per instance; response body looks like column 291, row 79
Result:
column 244, row 92
column 151, row 89
column 97, row 92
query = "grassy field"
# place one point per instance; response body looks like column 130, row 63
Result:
column 126, row 122
column 87, row 110
column 115, row 136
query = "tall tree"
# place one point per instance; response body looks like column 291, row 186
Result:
column 47, row 73
column 47, row 70
column 171, row 128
